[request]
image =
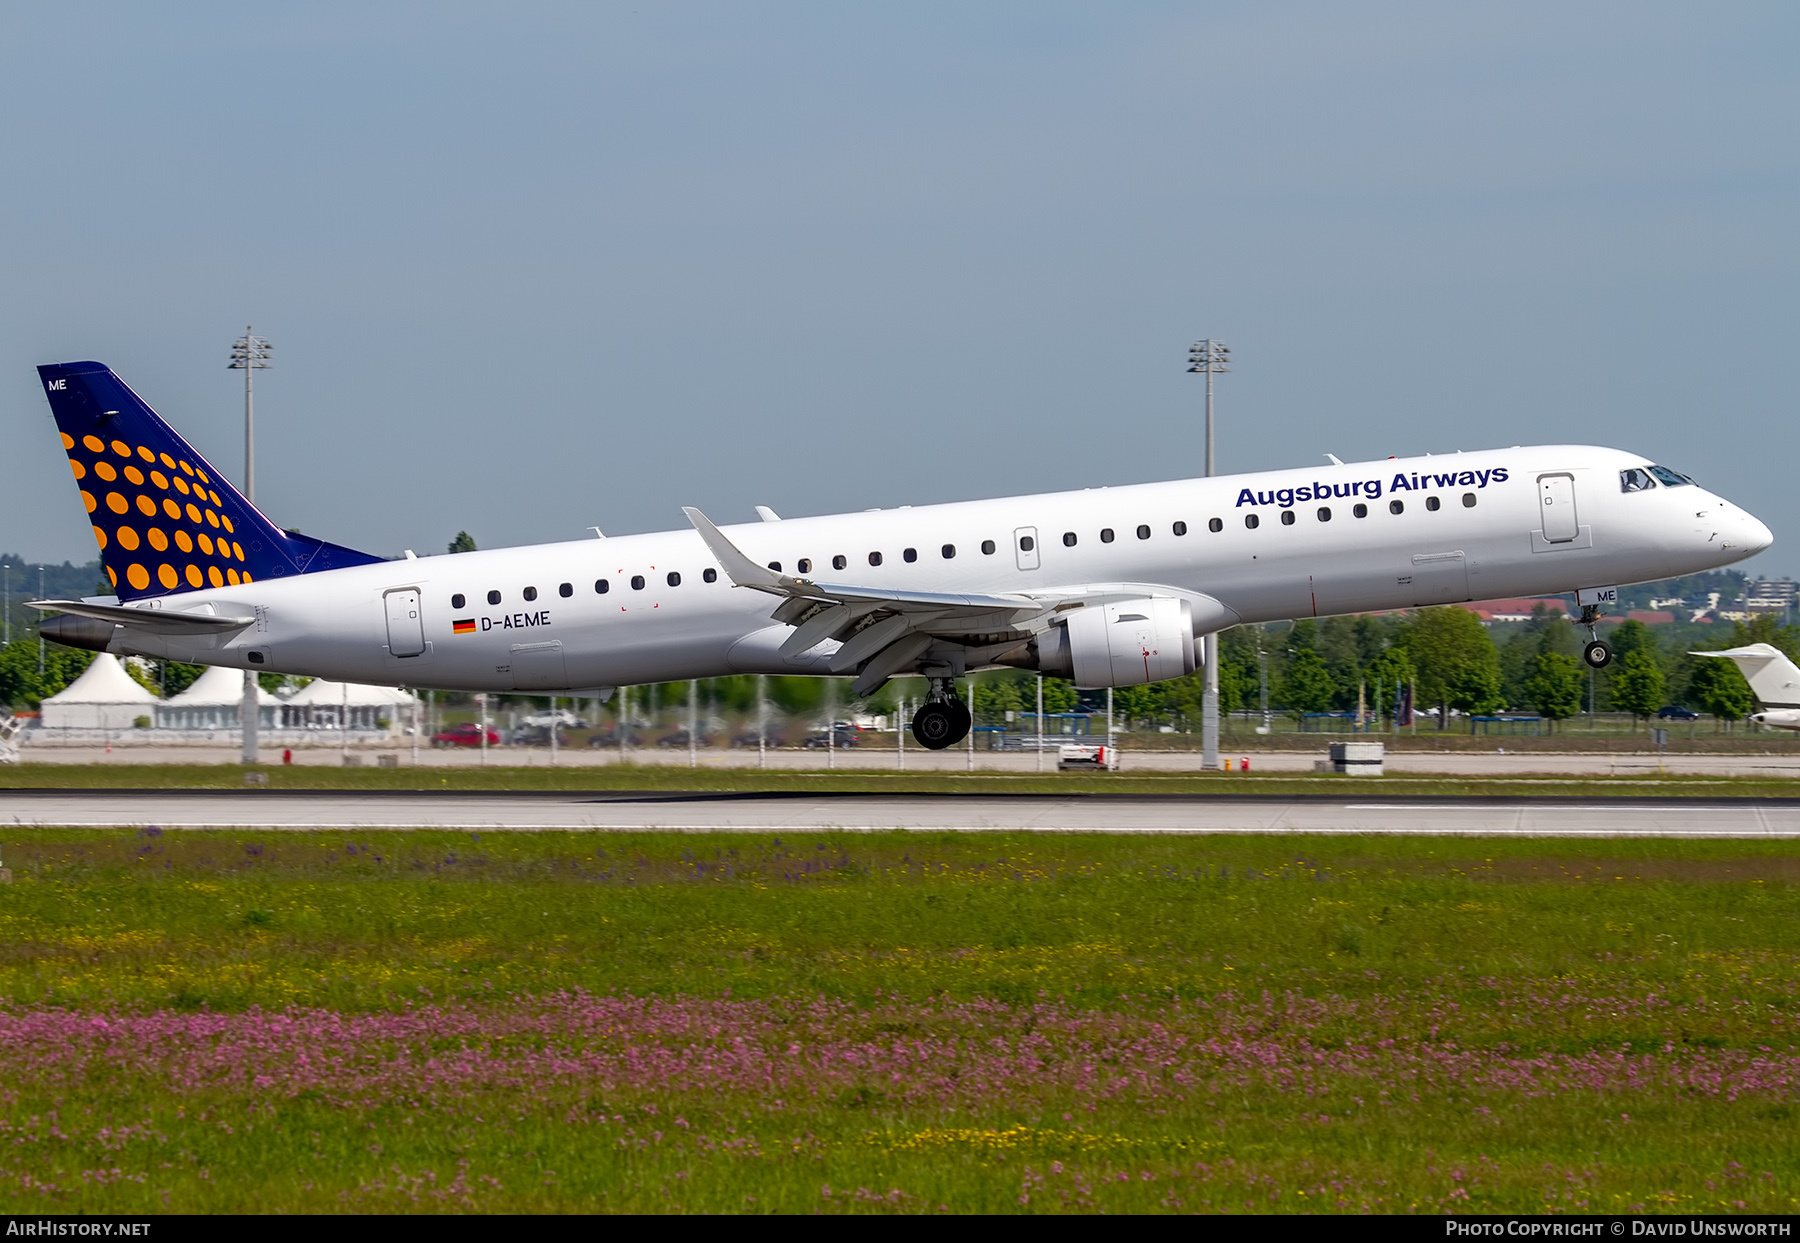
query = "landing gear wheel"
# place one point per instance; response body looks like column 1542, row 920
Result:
column 1597, row 655
column 941, row 724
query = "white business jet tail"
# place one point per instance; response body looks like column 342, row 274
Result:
column 1773, row 678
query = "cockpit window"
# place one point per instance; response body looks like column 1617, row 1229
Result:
column 1669, row 478
column 1635, row 480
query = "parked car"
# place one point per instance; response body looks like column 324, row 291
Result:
column 610, row 738
column 1675, row 712
column 848, row 735
column 562, row 717
column 468, row 734
column 680, row 739
column 537, row 736
column 750, row 738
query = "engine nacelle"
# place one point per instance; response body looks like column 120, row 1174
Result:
column 72, row 631
column 1121, row 643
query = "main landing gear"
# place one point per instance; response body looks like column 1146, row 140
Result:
column 1594, row 652
column 943, row 720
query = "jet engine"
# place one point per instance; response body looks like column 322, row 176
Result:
column 72, row 631
column 1121, row 643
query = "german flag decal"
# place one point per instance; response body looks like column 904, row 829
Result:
column 464, row 626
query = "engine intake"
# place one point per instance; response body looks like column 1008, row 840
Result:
column 1122, row 643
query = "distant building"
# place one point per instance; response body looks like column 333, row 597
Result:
column 1517, row 609
column 1651, row 617
column 1769, row 595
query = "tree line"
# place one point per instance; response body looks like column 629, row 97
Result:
column 1450, row 660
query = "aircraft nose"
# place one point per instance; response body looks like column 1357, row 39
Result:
column 1755, row 535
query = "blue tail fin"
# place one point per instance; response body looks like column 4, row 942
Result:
column 165, row 520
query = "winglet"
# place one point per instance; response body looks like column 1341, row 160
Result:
column 742, row 571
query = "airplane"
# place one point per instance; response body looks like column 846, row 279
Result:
column 1773, row 680
column 1105, row 586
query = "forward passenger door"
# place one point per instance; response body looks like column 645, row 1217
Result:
column 1556, row 507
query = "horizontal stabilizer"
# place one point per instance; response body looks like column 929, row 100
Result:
column 151, row 621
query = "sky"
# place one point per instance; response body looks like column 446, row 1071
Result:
column 530, row 268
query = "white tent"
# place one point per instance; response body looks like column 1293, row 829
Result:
column 326, row 705
column 214, row 701
column 103, row 697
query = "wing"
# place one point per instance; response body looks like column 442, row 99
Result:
column 883, row 631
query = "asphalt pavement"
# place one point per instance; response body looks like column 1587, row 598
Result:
column 800, row 813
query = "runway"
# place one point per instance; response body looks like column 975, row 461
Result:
column 804, row 813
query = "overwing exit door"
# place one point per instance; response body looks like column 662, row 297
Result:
column 1025, row 547
column 1556, row 507
column 405, row 625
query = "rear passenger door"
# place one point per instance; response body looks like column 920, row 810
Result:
column 405, row 626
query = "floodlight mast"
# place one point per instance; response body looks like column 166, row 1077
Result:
column 1209, row 358
column 250, row 354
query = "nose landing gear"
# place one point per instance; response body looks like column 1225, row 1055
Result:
column 1594, row 652
column 944, row 720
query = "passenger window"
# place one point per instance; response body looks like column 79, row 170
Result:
column 709, row 575
column 1180, row 528
column 1143, row 532
column 601, row 586
column 776, row 566
column 1468, row 500
column 1287, row 517
column 637, row 582
column 1068, row 539
column 874, row 558
column 458, row 600
column 1635, row 480
column 1431, row 503
column 987, row 547
column 1251, row 521
column 1106, row 535
column 565, row 590
column 949, row 551
column 804, row 565
column 530, row 594
column 839, row 562
column 1026, row 543
column 910, row 555
column 674, row 578
column 1215, row 525
column 1396, row 507
column 493, row 597
column 1360, row 510
column 1324, row 513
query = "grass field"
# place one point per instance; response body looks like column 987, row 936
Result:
column 910, row 1022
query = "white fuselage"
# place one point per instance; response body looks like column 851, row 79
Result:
column 1505, row 543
